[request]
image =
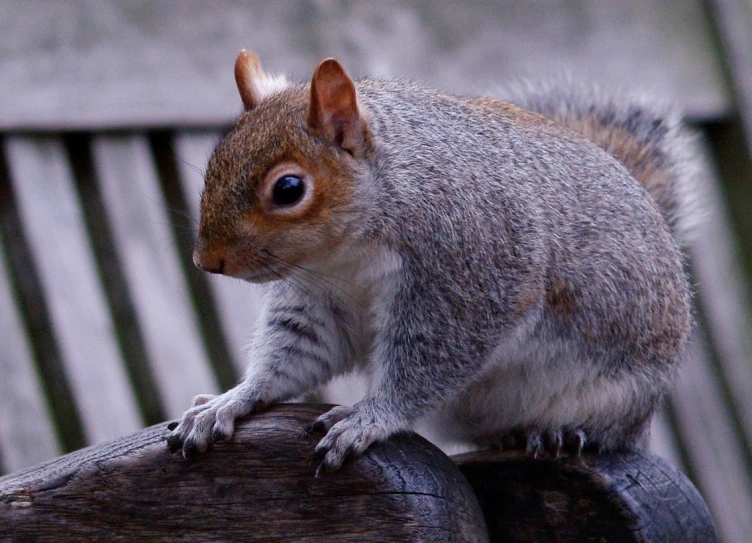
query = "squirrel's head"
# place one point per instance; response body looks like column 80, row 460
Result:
column 279, row 188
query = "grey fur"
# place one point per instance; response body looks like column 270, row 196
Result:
column 501, row 274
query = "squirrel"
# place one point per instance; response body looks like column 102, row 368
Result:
column 502, row 273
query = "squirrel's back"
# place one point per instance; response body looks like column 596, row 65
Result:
column 647, row 137
column 538, row 209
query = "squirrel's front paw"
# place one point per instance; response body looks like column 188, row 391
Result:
column 349, row 432
column 212, row 418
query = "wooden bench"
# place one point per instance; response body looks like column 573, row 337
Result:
column 263, row 486
column 106, row 123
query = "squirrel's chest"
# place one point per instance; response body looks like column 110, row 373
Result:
column 361, row 284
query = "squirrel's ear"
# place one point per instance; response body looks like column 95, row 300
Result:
column 253, row 84
column 247, row 72
column 333, row 109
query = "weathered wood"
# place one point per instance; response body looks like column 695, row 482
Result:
column 140, row 223
column 713, row 390
column 663, row 439
column 732, row 20
column 259, row 487
column 147, row 64
column 53, row 218
column 726, row 296
column 712, row 444
column 27, row 435
column 620, row 497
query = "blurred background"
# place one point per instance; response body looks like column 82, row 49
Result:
column 110, row 109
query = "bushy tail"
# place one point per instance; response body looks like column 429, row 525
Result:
column 649, row 139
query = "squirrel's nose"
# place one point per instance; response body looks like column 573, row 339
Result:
column 209, row 262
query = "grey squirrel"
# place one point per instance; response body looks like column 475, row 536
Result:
column 498, row 271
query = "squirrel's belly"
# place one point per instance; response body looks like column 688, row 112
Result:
column 546, row 389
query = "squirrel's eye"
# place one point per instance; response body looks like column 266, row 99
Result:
column 288, row 190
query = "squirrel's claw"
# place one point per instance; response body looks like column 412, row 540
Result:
column 552, row 443
column 576, row 441
column 534, row 446
column 349, row 432
column 555, row 442
column 325, row 422
column 211, row 419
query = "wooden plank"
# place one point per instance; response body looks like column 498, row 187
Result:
column 27, row 435
column 713, row 403
column 147, row 64
column 53, row 218
column 238, row 303
column 724, row 296
column 733, row 20
column 140, row 224
column 712, row 446
column 261, row 486
column 663, row 440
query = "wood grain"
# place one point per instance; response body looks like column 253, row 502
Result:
column 619, row 497
column 259, row 487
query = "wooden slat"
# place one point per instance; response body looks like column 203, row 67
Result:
column 724, row 296
column 709, row 419
column 713, row 402
column 663, row 440
column 27, row 435
column 171, row 63
column 140, row 224
column 733, row 20
column 712, row 446
column 52, row 215
column 238, row 302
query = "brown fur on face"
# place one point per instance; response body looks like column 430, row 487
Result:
column 240, row 226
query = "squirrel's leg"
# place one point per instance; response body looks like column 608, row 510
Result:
column 296, row 347
column 414, row 371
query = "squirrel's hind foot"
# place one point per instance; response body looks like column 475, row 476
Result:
column 553, row 443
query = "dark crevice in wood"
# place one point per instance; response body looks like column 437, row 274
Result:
column 36, row 318
column 165, row 158
column 118, row 295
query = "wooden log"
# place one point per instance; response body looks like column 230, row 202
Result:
column 623, row 497
column 259, row 487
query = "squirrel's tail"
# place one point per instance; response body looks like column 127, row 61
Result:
column 650, row 140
